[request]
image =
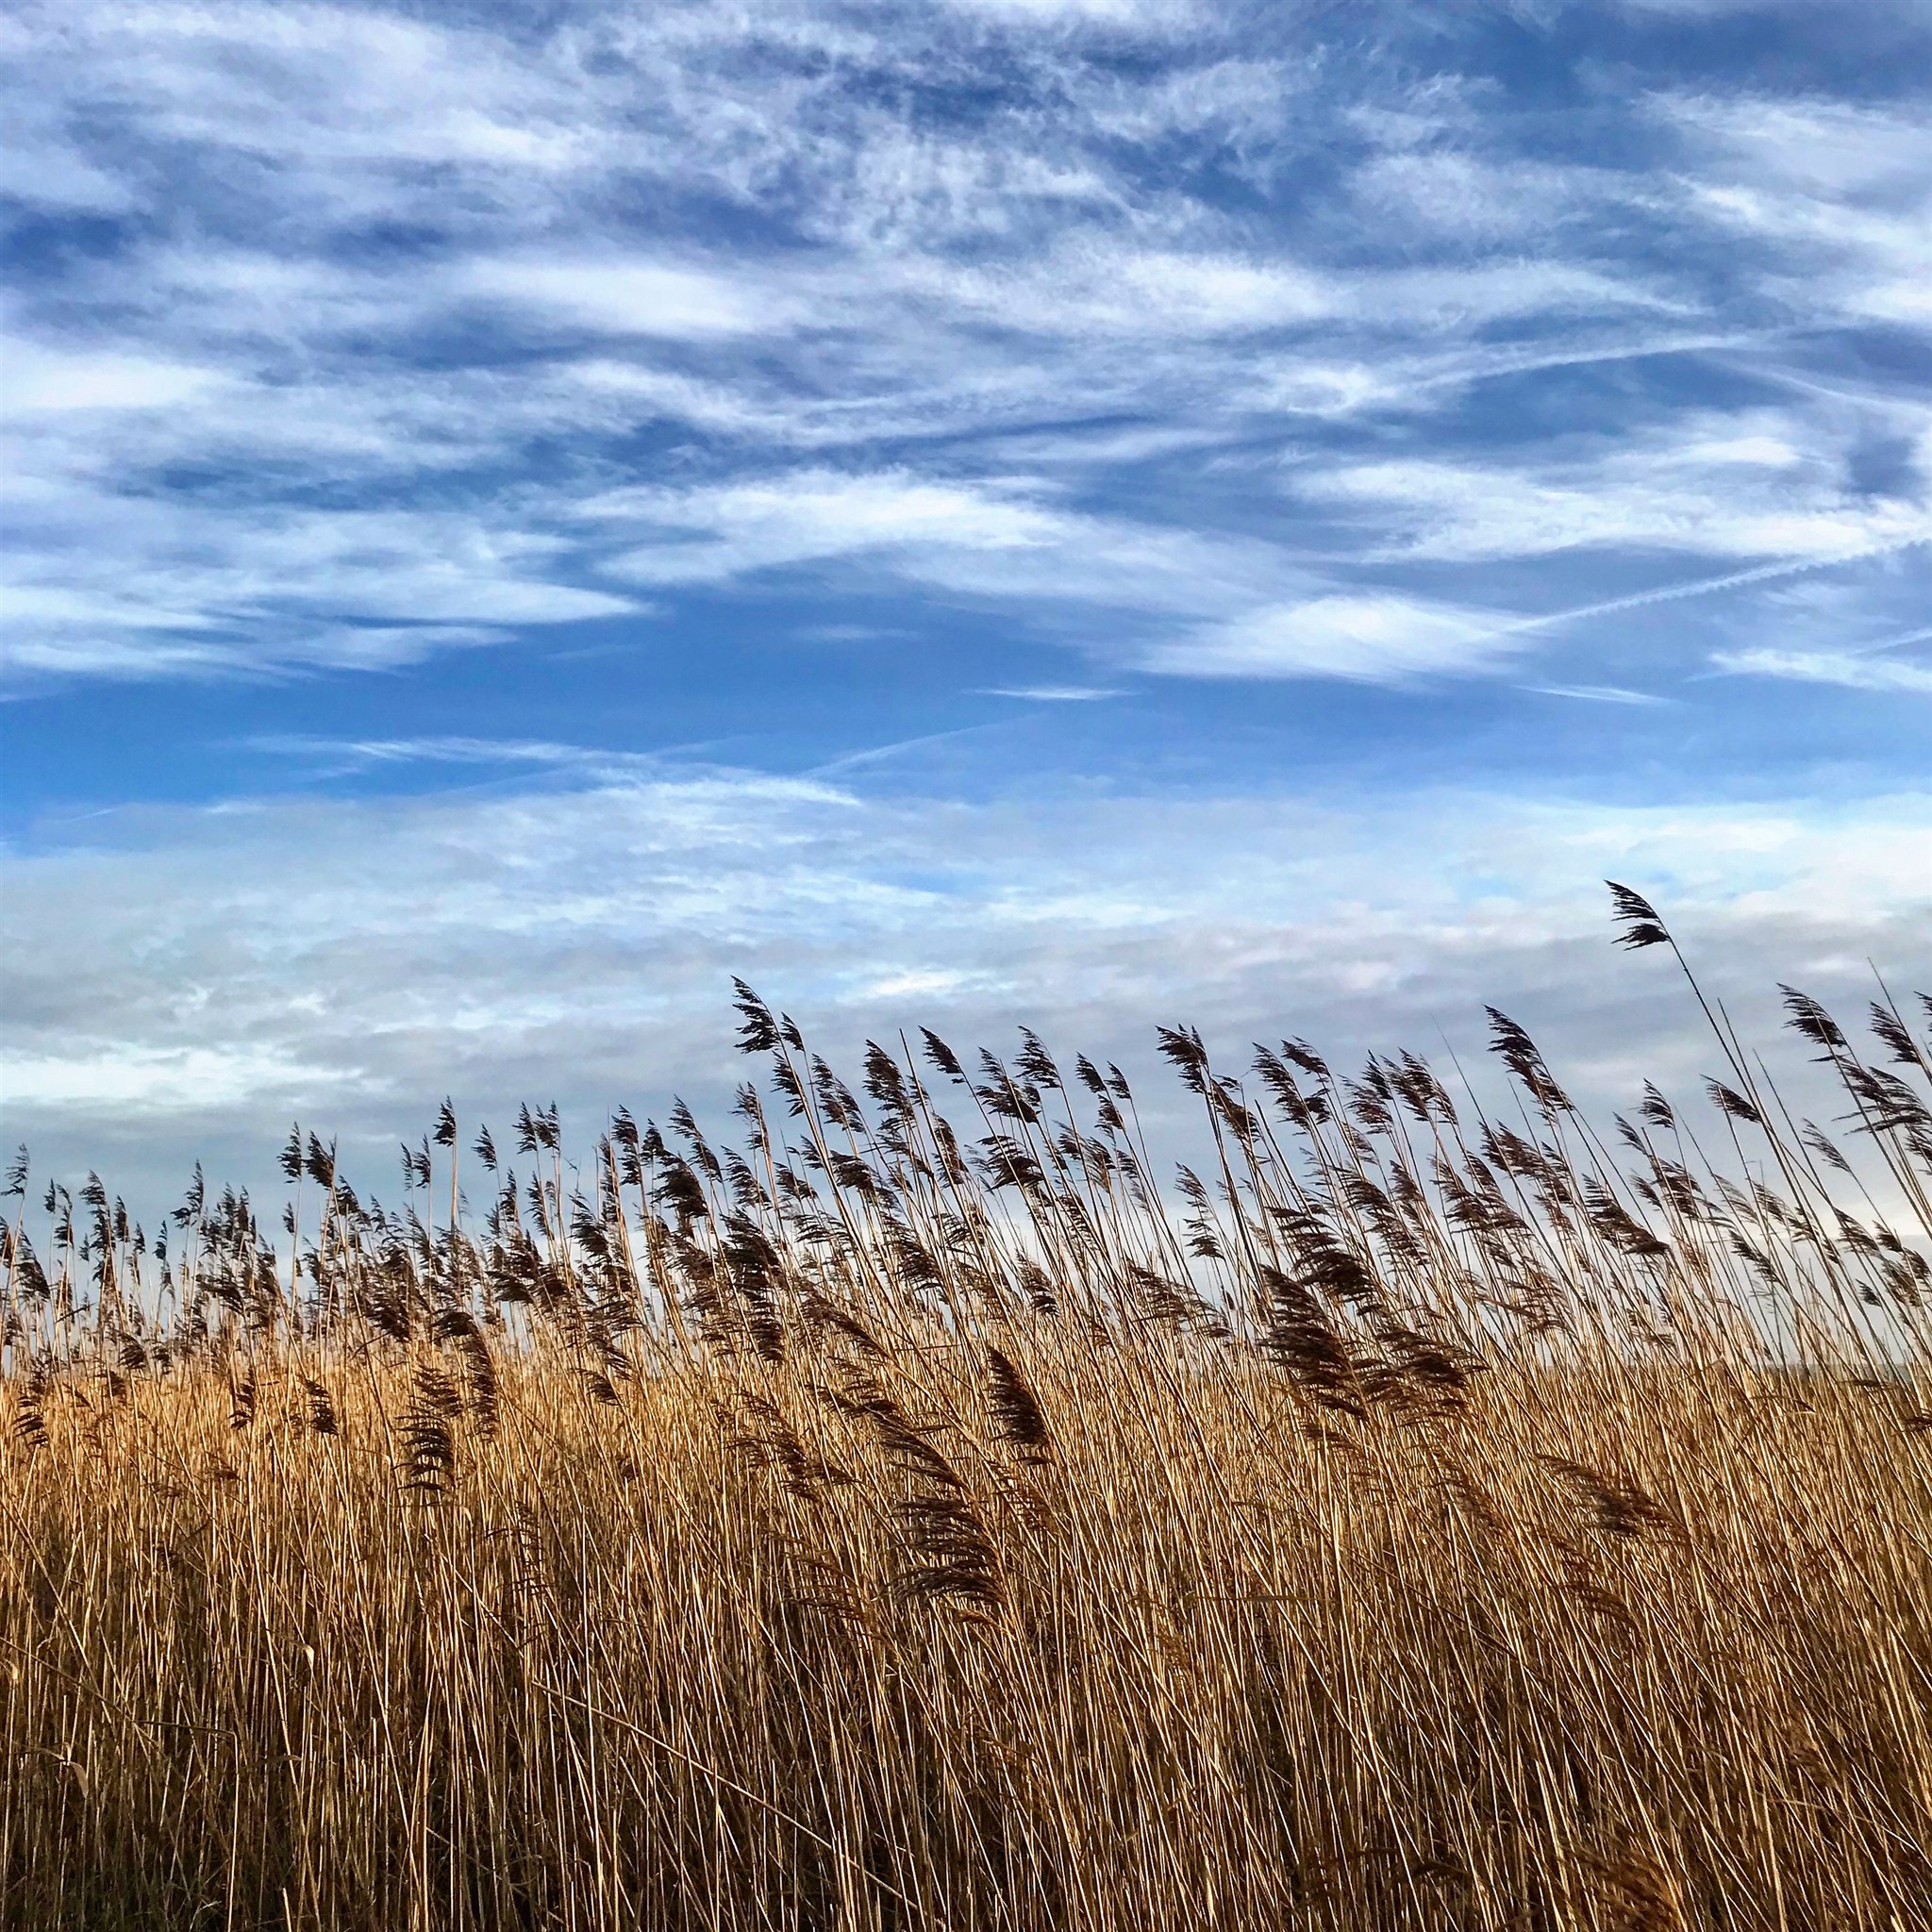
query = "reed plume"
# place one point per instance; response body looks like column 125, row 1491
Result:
column 908, row 1512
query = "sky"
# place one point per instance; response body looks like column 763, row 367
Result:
column 1085, row 513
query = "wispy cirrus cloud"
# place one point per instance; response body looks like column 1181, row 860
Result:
column 1371, row 639
column 1837, row 196
column 1849, row 670
column 401, row 260
column 1760, row 483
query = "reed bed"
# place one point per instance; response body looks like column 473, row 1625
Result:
column 916, row 1514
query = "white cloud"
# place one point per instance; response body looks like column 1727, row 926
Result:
column 355, row 587
column 722, row 532
column 158, row 1080
column 1171, row 293
column 997, row 539
column 1099, row 286
column 1761, row 484
column 1850, row 670
column 1131, row 12
column 318, row 84
column 1055, row 694
column 629, row 297
column 1597, row 693
column 1697, row 9
column 1819, row 146
column 1441, row 194
column 1837, row 197
column 1371, row 639
column 38, row 379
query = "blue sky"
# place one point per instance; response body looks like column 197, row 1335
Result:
column 997, row 509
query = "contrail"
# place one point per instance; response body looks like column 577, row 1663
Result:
column 1705, row 586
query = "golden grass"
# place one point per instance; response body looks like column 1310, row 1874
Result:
column 1427, row 1526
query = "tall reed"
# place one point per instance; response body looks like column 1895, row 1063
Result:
column 918, row 1515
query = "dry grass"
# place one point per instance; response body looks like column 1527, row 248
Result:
column 1430, row 1523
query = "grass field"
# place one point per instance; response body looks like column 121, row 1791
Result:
column 927, row 1513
